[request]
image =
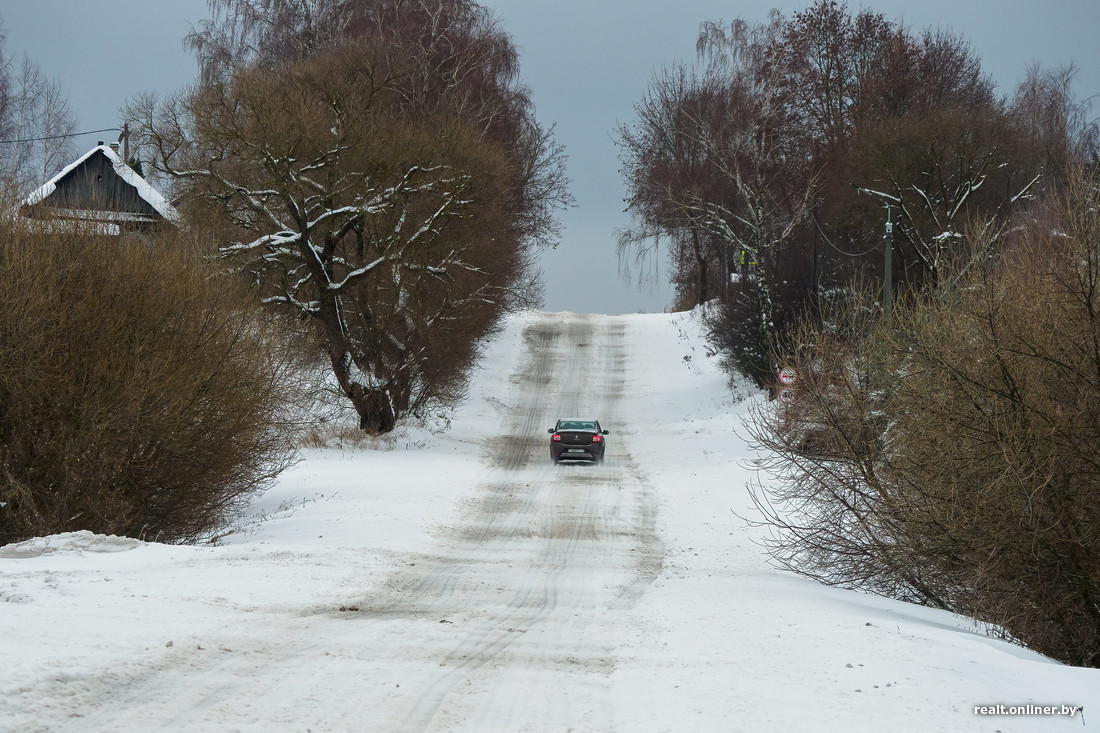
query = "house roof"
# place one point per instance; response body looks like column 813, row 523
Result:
column 141, row 187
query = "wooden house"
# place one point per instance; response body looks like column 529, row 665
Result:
column 99, row 191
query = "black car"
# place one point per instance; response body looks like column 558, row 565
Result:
column 577, row 439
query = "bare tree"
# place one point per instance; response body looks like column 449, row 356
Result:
column 830, row 59
column 383, row 177
column 1056, row 128
column 759, row 154
column 716, row 165
column 317, row 221
column 36, row 123
column 455, row 58
column 666, row 160
column 952, row 160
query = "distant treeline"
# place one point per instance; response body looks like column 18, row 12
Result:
column 770, row 169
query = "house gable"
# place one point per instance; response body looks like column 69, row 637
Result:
column 99, row 188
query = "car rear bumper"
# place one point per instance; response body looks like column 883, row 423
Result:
column 576, row 453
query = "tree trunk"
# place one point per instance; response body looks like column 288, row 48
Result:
column 373, row 405
column 375, row 410
column 701, row 264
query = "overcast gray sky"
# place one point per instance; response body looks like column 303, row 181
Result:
column 587, row 62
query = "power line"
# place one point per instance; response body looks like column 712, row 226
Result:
column 59, row 137
column 838, row 249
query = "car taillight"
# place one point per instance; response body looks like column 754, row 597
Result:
column 597, row 438
column 556, row 438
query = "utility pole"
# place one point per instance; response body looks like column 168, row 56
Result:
column 888, row 285
column 814, row 270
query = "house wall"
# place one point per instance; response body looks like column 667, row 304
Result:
column 95, row 186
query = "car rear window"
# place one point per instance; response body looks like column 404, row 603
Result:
column 577, row 425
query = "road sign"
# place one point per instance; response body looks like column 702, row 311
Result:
column 788, row 395
column 786, row 375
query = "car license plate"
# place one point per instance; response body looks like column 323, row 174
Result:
column 575, row 450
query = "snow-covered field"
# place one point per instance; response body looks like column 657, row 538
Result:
column 457, row 581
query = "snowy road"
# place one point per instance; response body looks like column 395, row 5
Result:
column 582, row 536
column 521, row 593
column 457, row 581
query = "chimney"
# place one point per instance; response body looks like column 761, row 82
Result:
column 114, row 147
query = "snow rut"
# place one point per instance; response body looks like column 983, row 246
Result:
column 576, row 530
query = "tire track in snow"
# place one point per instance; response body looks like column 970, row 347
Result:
column 500, row 529
column 574, row 367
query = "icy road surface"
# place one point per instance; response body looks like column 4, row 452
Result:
column 458, row 581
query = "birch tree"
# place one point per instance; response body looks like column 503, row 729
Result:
column 774, row 186
column 35, row 123
column 671, row 178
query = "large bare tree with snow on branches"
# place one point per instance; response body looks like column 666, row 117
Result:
column 397, row 218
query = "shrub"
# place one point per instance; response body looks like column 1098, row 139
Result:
column 951, row 456
column 746, row 327
column 140, row 395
